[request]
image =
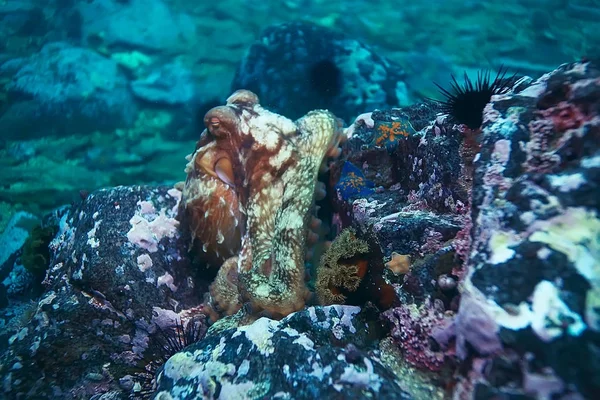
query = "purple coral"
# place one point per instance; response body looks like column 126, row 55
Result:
column 411, row 330
column 472, row 325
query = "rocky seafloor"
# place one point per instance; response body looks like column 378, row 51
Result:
column 450, row 262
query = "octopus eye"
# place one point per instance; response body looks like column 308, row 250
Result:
column 216, row 128
column 220, row 121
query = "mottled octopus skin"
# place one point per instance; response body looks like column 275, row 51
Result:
column 249, row 196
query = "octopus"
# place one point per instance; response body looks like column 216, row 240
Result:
column 248, row 203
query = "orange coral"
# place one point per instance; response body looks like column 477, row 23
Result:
column 388, row 133
column 350, row 273
column 399, row 264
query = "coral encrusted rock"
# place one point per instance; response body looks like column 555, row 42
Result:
column 118, row 270
column 320, row 352
column 534, row 268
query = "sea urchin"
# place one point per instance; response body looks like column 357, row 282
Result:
column 164, row 344
column 464, row 103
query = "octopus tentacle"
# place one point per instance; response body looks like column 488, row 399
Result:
column 266, row 167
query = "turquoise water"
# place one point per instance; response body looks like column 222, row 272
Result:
column 48, row 157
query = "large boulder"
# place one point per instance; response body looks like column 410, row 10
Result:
column 170, row 84
column 64, row 90
column 534, row 266
column 320, row 352
column 118, row 270
column 500, row 224
column 298, row 67
column 149, row 25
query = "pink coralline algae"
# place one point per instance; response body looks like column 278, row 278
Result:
column 412, row 326
column 433, row 241
column 565, row 115
column 471, row 325
column 462, row 243
column 149, row 227
column 557, row 124
column 540, row 157
column 475, row 326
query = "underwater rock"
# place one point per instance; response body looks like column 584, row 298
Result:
column 78, row 164
column 407, row 183
column 412, row 152
column 172, row 87
column 126, row 240
column 15, row 280
column 14, row 236
column 171, row 84
column 64, row 90
column 22, row 17
column 118, row 268
column 411, row 329
column 319, row 352
column 149, row 25
column 298, row 67
column 527, row 322
column 533, row 271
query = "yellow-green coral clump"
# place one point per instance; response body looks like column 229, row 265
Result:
column 36, row 254
column 340, row 270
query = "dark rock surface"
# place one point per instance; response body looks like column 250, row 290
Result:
column 413, row 153
column 298, row 67
column 420, row 200
column 22, row 17
column 320, row 352
column 118, row 268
